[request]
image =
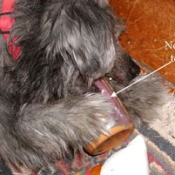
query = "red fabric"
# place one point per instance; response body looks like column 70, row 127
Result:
column 6, row 23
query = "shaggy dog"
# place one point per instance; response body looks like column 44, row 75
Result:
column 48, row 107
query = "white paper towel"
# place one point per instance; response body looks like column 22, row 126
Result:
column 132, row 160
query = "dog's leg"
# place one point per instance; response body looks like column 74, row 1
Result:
column 41, row 133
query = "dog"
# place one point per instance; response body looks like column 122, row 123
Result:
column 47, row 105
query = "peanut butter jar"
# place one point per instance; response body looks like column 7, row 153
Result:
column 119, row 126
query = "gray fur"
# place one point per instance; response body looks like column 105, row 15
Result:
column 145, row 99
column 47, row 108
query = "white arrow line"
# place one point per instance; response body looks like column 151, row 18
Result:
column 114, row 94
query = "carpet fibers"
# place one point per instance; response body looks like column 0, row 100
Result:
column 161, row 154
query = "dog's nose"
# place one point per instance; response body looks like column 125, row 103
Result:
column 134, row 69
column 124, row 70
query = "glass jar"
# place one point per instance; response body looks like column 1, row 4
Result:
column 119, row 125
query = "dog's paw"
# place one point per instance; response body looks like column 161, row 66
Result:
column 70, row 123
column 100, row 105
column 94, row 113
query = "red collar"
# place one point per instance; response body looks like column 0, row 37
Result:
column 6, row 23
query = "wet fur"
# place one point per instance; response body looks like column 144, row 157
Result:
column 47, row 107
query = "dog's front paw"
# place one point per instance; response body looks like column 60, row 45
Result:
column 101, row 107
column 94, row 114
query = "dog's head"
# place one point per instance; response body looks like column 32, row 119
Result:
column 85, row 34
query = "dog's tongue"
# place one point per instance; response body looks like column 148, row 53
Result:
column 121, row 115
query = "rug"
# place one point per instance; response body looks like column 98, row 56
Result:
column 161, row 155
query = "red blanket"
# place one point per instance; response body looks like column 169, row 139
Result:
column 6, row 23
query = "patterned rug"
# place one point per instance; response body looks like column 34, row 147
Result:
column 161, row 154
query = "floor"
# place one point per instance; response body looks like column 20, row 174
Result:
column 150, row 34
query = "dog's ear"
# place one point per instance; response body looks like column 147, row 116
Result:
column 83, row 35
